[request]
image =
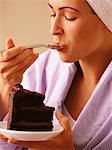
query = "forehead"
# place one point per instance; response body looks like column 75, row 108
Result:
column 81, row 5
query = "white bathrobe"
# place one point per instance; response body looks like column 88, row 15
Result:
column 52, row 77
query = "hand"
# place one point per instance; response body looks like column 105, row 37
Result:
column 63, row 141
column 14, row 61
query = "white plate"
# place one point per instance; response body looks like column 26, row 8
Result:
column 29, row 135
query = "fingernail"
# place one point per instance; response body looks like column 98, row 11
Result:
column 8, row 141
column 11, row 140
column 59, row 113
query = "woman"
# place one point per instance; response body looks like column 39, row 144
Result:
column 76, row 79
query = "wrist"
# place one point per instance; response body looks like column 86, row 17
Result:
column 4, row 99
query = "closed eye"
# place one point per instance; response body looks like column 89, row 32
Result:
column 70, row 19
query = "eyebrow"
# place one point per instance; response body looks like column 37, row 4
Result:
column 61, row 8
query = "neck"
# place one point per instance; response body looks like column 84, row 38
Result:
column 93, row 68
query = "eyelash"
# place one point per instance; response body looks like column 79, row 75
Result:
column 69, row 19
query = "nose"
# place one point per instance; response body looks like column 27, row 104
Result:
column 56, row 27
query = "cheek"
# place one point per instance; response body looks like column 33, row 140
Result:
column 82, row 39
column 84, row 35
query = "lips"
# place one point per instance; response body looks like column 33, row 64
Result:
column 62, row 47
column 58, row 46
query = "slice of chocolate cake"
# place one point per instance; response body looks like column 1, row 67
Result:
column 27, row 111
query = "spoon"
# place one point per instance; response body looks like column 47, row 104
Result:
column 52, row 46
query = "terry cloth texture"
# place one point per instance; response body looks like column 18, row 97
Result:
column 103, row 8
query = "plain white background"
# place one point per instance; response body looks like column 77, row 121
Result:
column 26, row 21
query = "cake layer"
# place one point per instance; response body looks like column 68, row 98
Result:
column 24, row 99
column 27, row 111
column 31, row 126
column 30, row 114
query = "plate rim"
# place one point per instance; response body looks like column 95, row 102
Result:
column 61, row 129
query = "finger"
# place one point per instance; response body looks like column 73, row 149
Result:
column 3, row 138
column 9, row 43
column 14, row 75
column 20, row 67
column 14, row 141
column 26, row 66
column 10, row 53
column 63, row 121
column 22, row 57
column 30, row 144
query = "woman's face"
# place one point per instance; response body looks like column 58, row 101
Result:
column 76, row 28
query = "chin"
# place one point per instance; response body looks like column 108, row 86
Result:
column 67, row 59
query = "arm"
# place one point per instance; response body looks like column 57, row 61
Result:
column 13, row 63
